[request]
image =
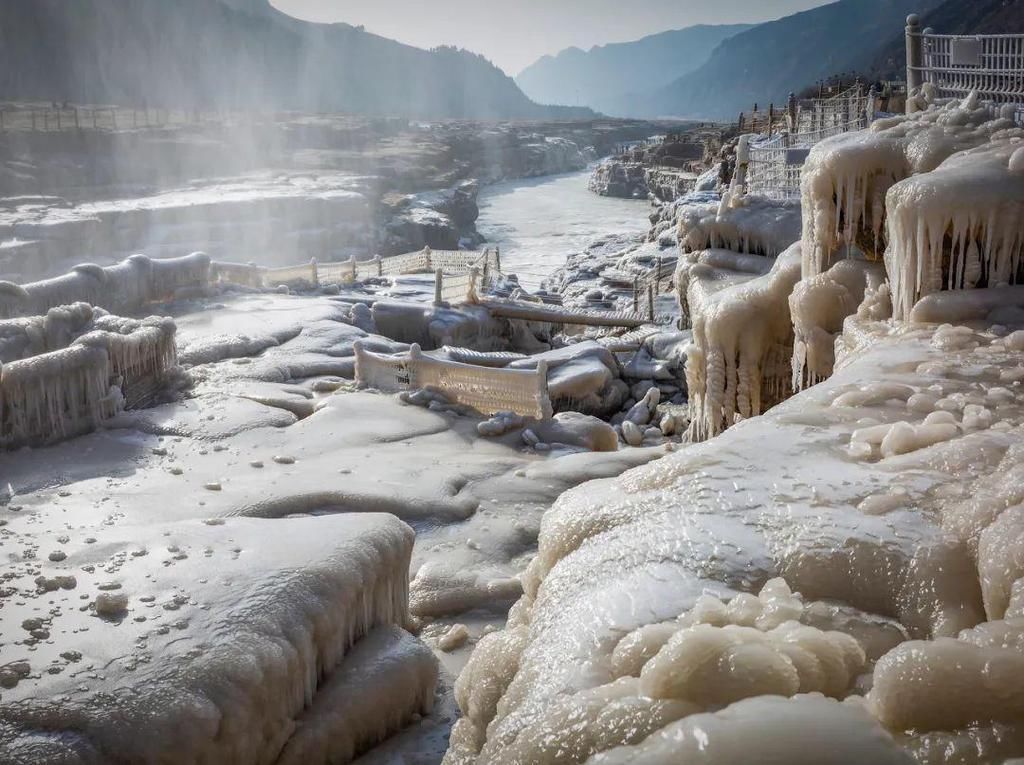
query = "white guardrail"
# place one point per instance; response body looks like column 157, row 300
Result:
column 486, row 389
column 957, row 65
column 771, row 167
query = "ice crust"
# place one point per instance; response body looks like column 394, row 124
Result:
column 888, row 501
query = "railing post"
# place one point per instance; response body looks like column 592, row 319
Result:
column 739, row 180
column 791, row 105
column 636, row 295
column 915, row 57
column 657, row 277
column 380, row 266
column 426, row 252
column 650, row 303
column 771, row 118
column 472, row 295
column 438, row 284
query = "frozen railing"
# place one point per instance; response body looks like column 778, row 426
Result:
column 57, row 117
column 485, row 389
column 461, row 288
column 845, row 111
column 772, row 167
column 124, row 287
column 290, row 274
column 449, row 262
column 957, row 65
column 60, row 392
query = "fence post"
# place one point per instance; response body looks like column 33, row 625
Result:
column 915, row 57
column 352, row 265
column 438, row 284
column 650, row 303
column 793, row 117
column 739, row 179
column 426, row 252
column 657, row 277
column 636, row 295
column 771, row 118
column 380, row 266
column 472, row 295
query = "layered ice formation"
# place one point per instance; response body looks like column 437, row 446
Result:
column 843, row 569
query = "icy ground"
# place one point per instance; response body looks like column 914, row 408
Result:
column 888, row 501
column 206, row 569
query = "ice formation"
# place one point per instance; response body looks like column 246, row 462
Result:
column 63, row 373
column 738, row 363
column 887, row 497
column 751, row 225
column 846, row 178
column 819, row 306
column 125, row 287
column 958, row 226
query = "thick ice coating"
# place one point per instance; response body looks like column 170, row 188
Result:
column 886, row 498
column 738, row 363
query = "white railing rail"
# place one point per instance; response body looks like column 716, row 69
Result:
column 486, row 389
column 957, row 65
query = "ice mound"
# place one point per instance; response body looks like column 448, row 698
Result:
column 738, row 363
column 238, row 634
column 805, row 730
column 742, row 224
column 659, row 577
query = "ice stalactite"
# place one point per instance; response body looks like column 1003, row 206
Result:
column 959, row 226
column 846, row 178
column 738, row 364
column 819, row 306
column 69, row 370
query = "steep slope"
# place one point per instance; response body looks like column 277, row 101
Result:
column 600, row 77
column 954, row 17
column 238, row 54
column 768, row 62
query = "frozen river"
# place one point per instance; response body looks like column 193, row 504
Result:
column 537, row 223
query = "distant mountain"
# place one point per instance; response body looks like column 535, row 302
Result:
column 233, row 54
column 766, row 63
column 601, row 77
column 953, row 17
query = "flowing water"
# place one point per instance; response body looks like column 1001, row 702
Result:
column 538, row 222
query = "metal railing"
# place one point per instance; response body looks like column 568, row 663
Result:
column 59, row 118
column 957, row 65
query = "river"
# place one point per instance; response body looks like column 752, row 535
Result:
column 538, row 222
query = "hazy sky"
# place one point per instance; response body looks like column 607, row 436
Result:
column 515, row 33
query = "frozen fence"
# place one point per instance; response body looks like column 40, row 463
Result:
column 772, row 167
column 486, row 389
column 125, row 287
column 957, row 65
column 57, row 391
column 59, row 118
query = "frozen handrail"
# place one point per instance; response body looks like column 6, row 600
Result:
column 66, row 391
column 955, row 66
column 125, row 287
column 486, row 389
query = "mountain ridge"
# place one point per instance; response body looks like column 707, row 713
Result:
column 603, row 75
column 242, row 54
